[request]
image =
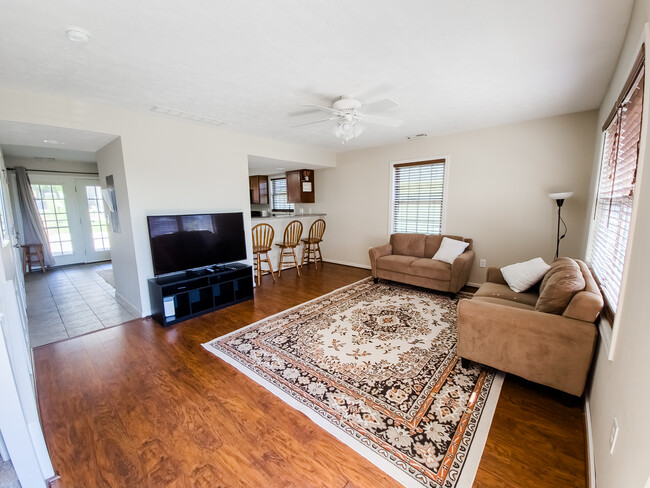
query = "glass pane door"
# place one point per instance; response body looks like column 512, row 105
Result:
column 93, row 219
column 50, row 200
column 57, row 206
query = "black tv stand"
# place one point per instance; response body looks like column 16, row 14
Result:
column 196, row 292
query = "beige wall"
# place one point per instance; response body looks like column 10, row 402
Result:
column 169, row 165
column 619, row 386
column 497, row 190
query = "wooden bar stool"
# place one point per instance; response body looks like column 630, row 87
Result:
column 262, row 243
column 312, row 243
column 291, row 240
column 31, row 251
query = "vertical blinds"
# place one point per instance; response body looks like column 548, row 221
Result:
column 418, row 190
column 615, row 196
column 279, row 195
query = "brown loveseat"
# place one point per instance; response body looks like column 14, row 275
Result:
column 503, row 329
column 407, row 259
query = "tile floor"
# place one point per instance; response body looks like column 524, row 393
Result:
column 8, row 478
column 70, row 301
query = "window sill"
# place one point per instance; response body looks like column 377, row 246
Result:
column 605, row 331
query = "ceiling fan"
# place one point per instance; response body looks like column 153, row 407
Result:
column 346, row 111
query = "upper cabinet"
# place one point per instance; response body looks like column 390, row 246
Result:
column 259, row 188
column 300, row 186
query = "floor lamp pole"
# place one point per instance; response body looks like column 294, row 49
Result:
column 559, row 199
column 560, row 202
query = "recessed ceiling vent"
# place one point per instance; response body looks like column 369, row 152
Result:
column 417, row 136
column 186, row 115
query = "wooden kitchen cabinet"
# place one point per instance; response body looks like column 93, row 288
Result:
column 259, row 189
column 300, row 186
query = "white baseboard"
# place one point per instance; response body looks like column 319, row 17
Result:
column 477, row 285
column 591, row 462
column 133, row 310
column 345, row 263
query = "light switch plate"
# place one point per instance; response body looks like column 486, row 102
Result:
column 482, row 263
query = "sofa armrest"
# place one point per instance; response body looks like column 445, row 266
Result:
column 460, row 271
column 494, row 275
column 546, row 348
column 377, row 252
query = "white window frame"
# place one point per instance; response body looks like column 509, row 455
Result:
column 272, row 193
column 445, row 190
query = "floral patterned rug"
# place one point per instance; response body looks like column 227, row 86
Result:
column 376, row 365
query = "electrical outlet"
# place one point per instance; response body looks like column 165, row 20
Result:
column 482, row 263
column 613, row 436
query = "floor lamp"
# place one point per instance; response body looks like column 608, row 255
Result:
column 559, row 199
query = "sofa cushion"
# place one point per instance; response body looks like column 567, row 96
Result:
column 449, row 250
column 408, row 244
column 429, row 268
column 558, row 287
column 506, row 303
column 521, row 276
column 503, row 292
column 432, row 243
column 396, row 263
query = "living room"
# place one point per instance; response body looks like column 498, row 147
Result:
column 500, row 175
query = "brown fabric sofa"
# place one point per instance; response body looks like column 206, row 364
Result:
column 407, row 259
column 502, row 329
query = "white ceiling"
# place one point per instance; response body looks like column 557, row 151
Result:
column 259, row 165
column 451, row 65
column 28, row 141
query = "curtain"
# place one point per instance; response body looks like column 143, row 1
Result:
column 33, row 229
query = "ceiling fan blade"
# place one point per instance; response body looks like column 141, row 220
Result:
column 307, row 111
column 315, row 122
column 320, row 107
column 379, row 120
column 374, row 92
column 380, row 105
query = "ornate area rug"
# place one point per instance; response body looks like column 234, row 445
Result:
column 376, row 366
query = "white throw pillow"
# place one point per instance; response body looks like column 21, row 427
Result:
column 521, row 276
column 449, row 250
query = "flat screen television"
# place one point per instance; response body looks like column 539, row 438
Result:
column 184, row 242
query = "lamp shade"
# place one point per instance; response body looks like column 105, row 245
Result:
column 561, row 196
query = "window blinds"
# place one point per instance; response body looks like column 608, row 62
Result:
column 279, row 194
column 615, row 196
column 418, row 190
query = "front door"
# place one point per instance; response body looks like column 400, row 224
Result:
column 72, row 210
column 94, row 224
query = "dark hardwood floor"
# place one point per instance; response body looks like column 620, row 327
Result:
column 138, row 405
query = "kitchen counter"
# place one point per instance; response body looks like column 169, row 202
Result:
column 290, row 216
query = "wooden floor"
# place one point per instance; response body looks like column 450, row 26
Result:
column 138, row 405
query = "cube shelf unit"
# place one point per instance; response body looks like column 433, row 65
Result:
column 193, row 295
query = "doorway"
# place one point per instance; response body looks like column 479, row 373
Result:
column 72, row 211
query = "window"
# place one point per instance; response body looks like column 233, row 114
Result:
column 418, row 190
column 279, row 195
column 50, row 201
column 615, row 197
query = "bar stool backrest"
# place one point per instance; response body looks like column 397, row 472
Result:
column 292, row 233
column 317, row 230
column 263, row 235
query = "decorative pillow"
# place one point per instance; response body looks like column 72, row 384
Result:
column 521, row 276
column 449, row 250
column 559, row 286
